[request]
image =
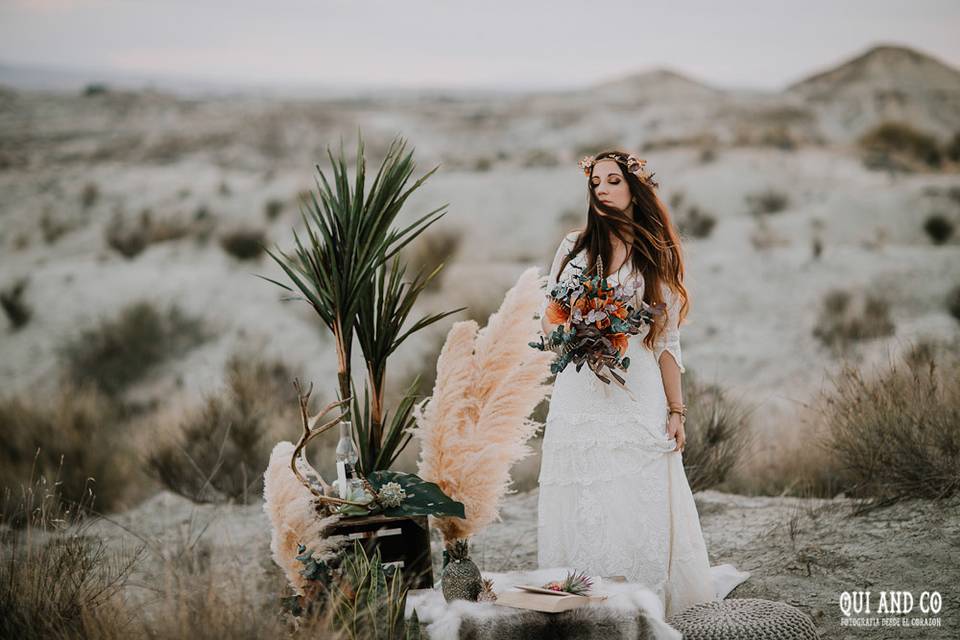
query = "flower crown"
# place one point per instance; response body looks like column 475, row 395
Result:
column 634, row 165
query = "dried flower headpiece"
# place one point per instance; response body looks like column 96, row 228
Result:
column 634, row 165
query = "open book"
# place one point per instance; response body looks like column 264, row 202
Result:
column 538, row 599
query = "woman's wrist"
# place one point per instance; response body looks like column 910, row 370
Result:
column 678, row 408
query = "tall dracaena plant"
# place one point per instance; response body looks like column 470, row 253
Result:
column 341, row 272
column 380, row 331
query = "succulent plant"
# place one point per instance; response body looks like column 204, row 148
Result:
column 578, row 584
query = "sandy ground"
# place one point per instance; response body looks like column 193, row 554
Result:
column 804, row 552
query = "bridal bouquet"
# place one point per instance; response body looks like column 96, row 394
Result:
column 595, row 322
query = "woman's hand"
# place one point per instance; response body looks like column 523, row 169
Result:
column 675, row 430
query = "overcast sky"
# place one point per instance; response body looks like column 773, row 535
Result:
column 487, row 43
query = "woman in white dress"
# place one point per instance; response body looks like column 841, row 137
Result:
column 614, row 498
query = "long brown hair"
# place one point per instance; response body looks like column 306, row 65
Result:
column 656, row 252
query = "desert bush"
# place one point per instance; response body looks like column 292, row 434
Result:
column 694, row 141
column 127, row 240
column 779, row 138
column 691, row 220
column 89, row 195
column 767, row 202
column 718, row 433
column 482, row 164
column 95, row 89
column 244, row 243
column 952, row 150
column 897, row 145
column 118, row 352
column 939, row 228
column 131, row 238
column 56, row 580
column 428, row 251
column 842, row 323
column 72, row 440
column 896, row 434
column 541, row 158
column 696, row 223
column 14, row 306
column 953, row 303
column 220, row 450
column 52, row 228
column 272, row 209
column 60, row 579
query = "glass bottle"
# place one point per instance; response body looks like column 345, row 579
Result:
column 346, row 460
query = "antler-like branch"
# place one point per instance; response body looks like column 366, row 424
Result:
column 310, row 431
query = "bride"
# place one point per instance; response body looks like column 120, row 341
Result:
column 614, row 498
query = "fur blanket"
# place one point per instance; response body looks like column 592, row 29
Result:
column 630, row 611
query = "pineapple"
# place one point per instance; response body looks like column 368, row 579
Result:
column 460, row 579
column 578, row 584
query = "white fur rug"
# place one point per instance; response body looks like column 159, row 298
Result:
column 631, row 610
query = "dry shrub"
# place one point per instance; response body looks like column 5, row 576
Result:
column 73, row 439
column 89, row 195
column 130, row 238
column 696, row 223
column 59, row 580
column 536, row 158
column 221, row 449
column 953, row 303
column 788, row 462
column 718, row 432
column 56, row 580
column 428, row 251
column 273, row 208
column 842, row 322
column 898, row 146
column 11, row 299
column 52, row 227
column 243, row 243
column 938, row 227
column 767, row 202
column 896, row 435
column 119, row 352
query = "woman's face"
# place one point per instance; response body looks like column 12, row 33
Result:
column 610, row 186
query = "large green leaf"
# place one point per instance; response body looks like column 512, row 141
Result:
column 423, row 498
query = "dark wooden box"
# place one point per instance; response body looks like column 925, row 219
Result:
column 403, row 542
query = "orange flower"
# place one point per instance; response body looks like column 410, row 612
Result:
column 603, row 323
column 621, row 311
column 620, row 341
column 557, row 313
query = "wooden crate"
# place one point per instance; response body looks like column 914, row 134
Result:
column 403, row 542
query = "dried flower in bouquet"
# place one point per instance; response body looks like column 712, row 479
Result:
column 594, row 323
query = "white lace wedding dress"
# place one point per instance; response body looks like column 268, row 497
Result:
column 614, row 498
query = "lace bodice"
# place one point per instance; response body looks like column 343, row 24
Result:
column 669, row 339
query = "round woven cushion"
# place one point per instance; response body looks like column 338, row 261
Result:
column 743, row 618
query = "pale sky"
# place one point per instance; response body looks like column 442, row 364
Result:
column 762, row 44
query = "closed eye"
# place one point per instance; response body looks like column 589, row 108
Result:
column 614, row 180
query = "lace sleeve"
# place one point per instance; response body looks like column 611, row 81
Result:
column 554, row 275
column 669, row 339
